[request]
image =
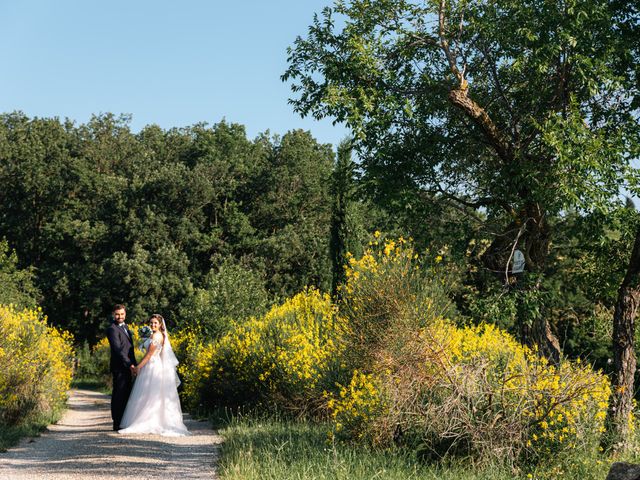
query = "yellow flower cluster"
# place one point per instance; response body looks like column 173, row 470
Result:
column 378, row 259
column 479, row 385
column 355, row 406
column 402, row 364
column 568, row 407
column 284, row 353
column 36, row 365
column 188, row 346
column 563, row 404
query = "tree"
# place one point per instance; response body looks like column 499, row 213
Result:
column 619, row 415
column 101, row 215
column 17, row 284
column 346, row 232
column 231, row 292
column 521, row 109
column 291, row 212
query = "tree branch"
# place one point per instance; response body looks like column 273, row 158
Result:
column 459, row 97
column 480, row 117
column 477, row 203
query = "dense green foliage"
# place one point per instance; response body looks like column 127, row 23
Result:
column 347, row 217
column 153, row 219
column 230, row 291
column 483, row 121
column 494, row 104
column 17, row 284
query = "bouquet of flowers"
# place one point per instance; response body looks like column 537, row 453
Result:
column 144, row 332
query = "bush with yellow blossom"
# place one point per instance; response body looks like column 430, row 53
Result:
column 36, row 365
column 390, row 288
column 444, row 390
column 356, row 407
column 283, row 357
column 389, row 366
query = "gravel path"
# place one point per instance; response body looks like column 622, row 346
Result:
column 82, row 445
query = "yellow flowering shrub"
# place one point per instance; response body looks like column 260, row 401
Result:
column 446, row 390
column 355, row 407
column 474, row 391
column 194, row 356
column 388, row 366
column 511, row 395
column 283, row 356
column 36, row 365
column 389, row 287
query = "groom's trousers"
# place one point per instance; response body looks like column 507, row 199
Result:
column 122, row 383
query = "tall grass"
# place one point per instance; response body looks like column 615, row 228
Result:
column 259, row 447
column 274, row 448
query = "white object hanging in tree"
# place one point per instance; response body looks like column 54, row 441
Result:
column 517, row 263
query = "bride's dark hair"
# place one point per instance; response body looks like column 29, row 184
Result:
column 158, row 317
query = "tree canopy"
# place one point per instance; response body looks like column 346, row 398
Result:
column 519, row 111
column 103, row 215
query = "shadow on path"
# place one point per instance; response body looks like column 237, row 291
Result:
column 82, row 445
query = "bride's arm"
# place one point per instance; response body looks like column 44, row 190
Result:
column 156, row 340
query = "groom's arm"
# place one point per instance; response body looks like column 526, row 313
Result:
column 118, row 347
column 132, row 358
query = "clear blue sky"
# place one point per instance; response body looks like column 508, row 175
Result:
column 172, row 63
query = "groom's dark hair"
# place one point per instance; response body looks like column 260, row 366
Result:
column 118, row 306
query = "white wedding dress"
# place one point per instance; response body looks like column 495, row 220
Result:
column 154, row 405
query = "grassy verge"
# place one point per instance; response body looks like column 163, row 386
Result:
column 11, row 435
column 271, row 448
column 98, row 385
column 275, row 449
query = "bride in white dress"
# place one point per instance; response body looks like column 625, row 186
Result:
column 154, row 405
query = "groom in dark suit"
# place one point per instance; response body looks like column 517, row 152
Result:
column 123, row 361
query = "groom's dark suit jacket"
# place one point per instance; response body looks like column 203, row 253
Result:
column 122, row 354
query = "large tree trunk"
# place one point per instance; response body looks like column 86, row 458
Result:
column 536, row 331
column 530, row 231
column 531, row 234
column 617, row 436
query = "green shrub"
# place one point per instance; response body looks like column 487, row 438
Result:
column 230, row 292
column 92, row 364
column 17, row 285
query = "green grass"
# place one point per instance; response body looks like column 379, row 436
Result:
column 271, row 448
column 10, row 435
column 285, row 450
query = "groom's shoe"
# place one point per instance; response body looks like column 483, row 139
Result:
column 116, row 428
